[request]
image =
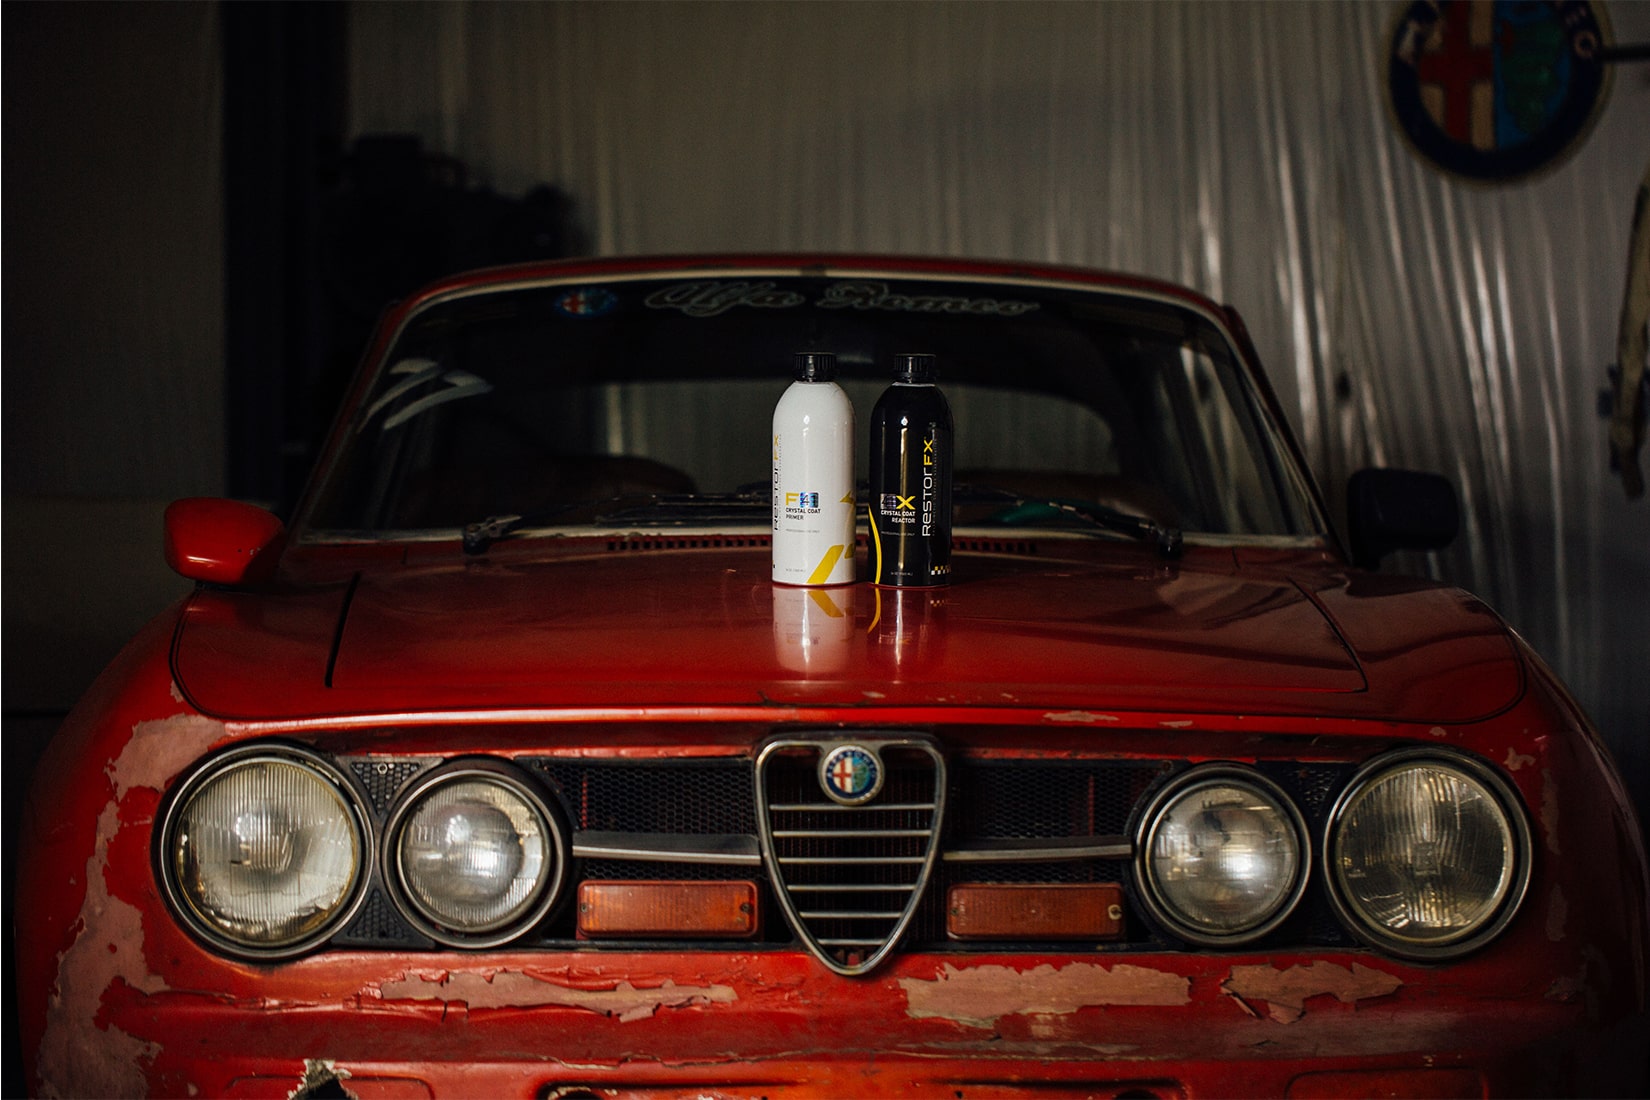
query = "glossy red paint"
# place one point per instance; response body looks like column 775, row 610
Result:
column 576, row 647
column 220, row 541
column 556, row 626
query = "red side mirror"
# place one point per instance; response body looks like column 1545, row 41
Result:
column 220, row 541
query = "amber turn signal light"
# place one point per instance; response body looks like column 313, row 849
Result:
column 721, row 910
column 1034, row 911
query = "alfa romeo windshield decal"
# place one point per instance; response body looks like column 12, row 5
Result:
column 587, row 302
column 873, row 295
column 712, row 297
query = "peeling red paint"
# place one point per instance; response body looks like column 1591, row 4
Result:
column 1558, row 910
column 1567, row 987
column 101, row 954
column 109, row 944
column 1516, row 760
column 1549, row 811
column 320, row 1073
column 1287, row 991
column 1083, row 716
column 160, row 750
column 513, row 989
column 979, row 996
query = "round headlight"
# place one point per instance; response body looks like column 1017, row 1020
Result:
column 475, row 855
column 1428, row 854
column 263, row 851
column 1221, row 856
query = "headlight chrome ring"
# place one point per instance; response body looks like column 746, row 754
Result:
column 1428, row 854
column 262, row 851
column 474, row 855
column 1222, row 856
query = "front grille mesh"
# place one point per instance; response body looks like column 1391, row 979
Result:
column 1030, row 799
column 687, row 797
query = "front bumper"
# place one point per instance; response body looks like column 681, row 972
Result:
column 778, row 1024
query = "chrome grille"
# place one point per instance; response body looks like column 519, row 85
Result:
column 850, row 877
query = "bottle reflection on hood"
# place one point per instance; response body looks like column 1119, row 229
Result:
column 813, row 628
column 907, row 629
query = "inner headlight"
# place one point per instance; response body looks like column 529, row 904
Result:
column 1428, row 854
column 475, row 855
column 1222, row 855
column 263, row 850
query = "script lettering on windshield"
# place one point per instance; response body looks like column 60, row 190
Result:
column 708, row 298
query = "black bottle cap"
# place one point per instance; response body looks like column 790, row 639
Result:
column 916, row 368
column 815, row 366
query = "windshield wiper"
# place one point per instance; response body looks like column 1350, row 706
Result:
column 1168, row 541
column 659, row 507
column 680, row 508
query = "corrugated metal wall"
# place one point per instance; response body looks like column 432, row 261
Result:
column 1243, row 148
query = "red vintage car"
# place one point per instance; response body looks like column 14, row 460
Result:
column 507, row 769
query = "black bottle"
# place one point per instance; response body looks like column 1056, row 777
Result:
column 910, row 500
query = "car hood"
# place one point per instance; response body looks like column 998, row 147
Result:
column 696, row 628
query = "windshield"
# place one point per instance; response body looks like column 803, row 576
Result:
column 649, row 401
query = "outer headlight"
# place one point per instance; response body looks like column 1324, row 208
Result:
column 1428, row 854
column 262, row 851
column 1222, row 855
column 474, row 855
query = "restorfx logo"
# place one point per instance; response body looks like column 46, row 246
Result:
column 928, row 486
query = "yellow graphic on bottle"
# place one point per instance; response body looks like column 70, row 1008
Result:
column 876, row 546
column 822, row 571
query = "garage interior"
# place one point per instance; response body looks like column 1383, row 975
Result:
column 207, row 205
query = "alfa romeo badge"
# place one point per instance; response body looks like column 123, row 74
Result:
column 851, row 775
column 1494, row 90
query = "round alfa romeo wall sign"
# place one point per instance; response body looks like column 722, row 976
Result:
column 1495, row 90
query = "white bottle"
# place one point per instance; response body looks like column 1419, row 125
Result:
column 813, row 477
